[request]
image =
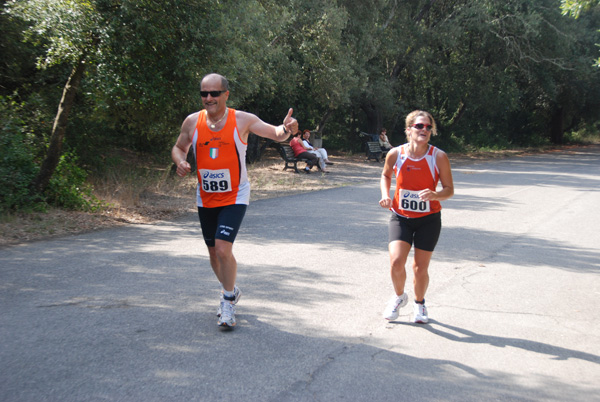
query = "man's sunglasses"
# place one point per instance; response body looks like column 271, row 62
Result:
column 214, row 94
column 421, row 126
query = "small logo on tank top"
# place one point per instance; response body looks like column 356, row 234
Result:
column 214, row 153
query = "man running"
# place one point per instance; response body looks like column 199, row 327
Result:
column 218, row 136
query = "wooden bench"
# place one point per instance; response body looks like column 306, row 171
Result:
column 373, row 150
column 287, row 154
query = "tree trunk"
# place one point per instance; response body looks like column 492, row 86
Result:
column 373, row 114
column 556, row 126
column 253, row 151
column 323, row 121
column 59, row 128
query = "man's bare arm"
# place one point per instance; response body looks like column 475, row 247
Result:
column 248, row 122
column 181, row 147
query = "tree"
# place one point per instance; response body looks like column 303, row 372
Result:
column 475, row 65
column 574, row 8
column 136, row 56
column 70, row 32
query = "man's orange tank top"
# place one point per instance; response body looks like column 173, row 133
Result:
column 412, row 176
column 221, row 164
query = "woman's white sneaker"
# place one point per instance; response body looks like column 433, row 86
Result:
column 391, row 311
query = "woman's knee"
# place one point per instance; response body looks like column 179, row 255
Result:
column 398, row 264
column 420, row 271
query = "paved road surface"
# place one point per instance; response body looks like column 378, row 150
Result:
column 128, row 314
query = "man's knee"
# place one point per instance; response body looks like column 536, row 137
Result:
column 223, row 249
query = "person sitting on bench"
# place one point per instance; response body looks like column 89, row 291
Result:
column 384, row 143
column 320, row 152
column 301, row 152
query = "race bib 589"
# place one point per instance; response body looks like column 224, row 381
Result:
column 215, row 181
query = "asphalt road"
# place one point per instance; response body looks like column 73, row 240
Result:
column 128, row 314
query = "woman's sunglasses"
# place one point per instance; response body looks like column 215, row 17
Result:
column 421, row 126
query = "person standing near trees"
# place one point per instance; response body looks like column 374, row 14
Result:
column 416, row 217
column 219, row 137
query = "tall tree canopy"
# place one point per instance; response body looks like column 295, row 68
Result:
column 574, row 8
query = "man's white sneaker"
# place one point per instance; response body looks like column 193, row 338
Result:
column 394, row 305
column 237, row 293
column 227, row 317
column 420, row 314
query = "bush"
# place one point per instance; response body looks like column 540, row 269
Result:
column 586, row 134
column 68, row 188
column 18, row 169
column 17, row 165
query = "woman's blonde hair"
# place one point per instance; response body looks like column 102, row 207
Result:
column 412, row 117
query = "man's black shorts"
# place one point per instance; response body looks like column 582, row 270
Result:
column 422, row 232
column 221, row 223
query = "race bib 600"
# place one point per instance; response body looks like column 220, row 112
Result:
column 410, row 201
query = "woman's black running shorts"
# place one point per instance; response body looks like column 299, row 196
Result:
column 423, row 232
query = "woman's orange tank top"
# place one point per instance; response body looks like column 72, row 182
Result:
column 412, row 176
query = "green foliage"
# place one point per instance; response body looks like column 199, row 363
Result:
column 17, row 167
column 493, row 73
column 68, row 187
column 585, row 134
column 575, row 7
column 65, row 28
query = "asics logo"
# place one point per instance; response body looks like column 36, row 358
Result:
column 209, row 175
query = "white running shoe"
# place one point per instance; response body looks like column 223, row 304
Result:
column 227, row 317
column 395, row 304
column 420, row 314
column 237, row 293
